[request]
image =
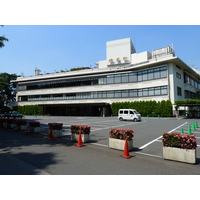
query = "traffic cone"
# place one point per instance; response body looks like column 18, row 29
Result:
column 28, row 132
column 197, row 126
column 50, row 135
column 189, row 130
column 182, row 130
column 80, row 143
column 126, row 150
column 193, row 126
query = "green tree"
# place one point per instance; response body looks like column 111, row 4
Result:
column 2, row 40
column 7, row 89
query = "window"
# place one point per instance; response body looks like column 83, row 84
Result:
column 126, row 112
column 125, row 93
column 124, row 78
column 179, row 92
column 178, row 75
column 118, row 78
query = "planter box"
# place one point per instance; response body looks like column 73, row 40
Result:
column 34, row 129
column 119, row 144
column 56, row 133
column 85, row 137
column 178, row 154
column 21, row 127
column 11, row 125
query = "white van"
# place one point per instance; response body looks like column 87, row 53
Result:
column 128, row 114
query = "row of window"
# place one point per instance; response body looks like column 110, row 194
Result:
column 156, row 73
column 188, row 79
column 153, row 91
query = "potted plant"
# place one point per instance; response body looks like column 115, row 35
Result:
column 34, row 127
column 56, row 129
column 117, row 138
column 85, row 133
column 21, row 124
column 179, row 147
column 11, row 123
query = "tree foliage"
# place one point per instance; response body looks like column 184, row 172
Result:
column 2, row 40
column 7, row 89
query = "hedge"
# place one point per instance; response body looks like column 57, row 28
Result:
column 150, row 108
column 30, row 110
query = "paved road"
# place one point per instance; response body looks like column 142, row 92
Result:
column 22, row 154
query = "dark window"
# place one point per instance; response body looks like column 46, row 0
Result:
column 179, row 91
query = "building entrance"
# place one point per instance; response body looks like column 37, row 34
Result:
column 103, row 110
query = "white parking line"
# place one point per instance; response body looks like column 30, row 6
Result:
column 147, row 154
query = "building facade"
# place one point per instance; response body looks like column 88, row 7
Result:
column 124, row 76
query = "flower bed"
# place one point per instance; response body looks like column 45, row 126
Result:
column 83, row 128
column 56, row 129
column 34, row 124
column 55, row 126
column 118, row 137
column 21, row 122
column 178, row 140
column 85, row 133
column 179, row 147
column 121, row 134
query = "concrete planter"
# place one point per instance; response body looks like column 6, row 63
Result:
column 56, row 133
column 34, row 129
column 119, row 144
column 21, row 127
column 178, row 154
column 85, row 137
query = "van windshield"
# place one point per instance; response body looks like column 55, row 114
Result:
column 136, row 112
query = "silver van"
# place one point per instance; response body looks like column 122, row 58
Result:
column 128, row 114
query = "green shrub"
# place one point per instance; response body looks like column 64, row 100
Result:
column 150, row 108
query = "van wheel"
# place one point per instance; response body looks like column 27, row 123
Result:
column 120, row 119
column 135, row 120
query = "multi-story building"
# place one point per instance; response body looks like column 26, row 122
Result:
column 124, row 76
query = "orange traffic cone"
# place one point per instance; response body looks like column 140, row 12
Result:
column 50, row 135
column 126, row 150
column 28, row 132
column 80, row 143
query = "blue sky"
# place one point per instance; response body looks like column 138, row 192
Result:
column 61, row 47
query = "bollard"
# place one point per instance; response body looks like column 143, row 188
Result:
column 189, row 130
column 182, row 130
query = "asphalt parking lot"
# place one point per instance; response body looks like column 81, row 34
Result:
column 147, row 151
column 147, row 133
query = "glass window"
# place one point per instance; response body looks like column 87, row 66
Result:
column 110, row 79
column 151, row 92
column 139, row 76
column 179, row 91
column 133, row 93
column 124, row 93
column 118, row 94
column 157, row 91
column 118, row 78
column 145, row 92
column 124, row 78
column 110, row 94
column 164, row 90
column 133, row 77
column 156, row 73
column 144, row 75
column 140, row 93
column 163, row 74
column 150, row 74
column 126, row 112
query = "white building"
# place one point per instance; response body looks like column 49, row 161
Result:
column 124, row 76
